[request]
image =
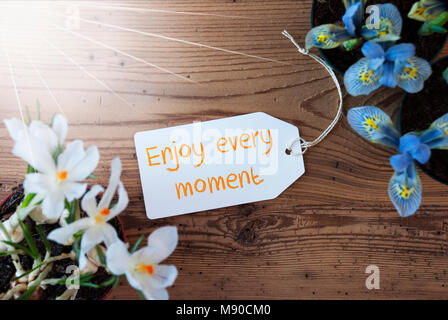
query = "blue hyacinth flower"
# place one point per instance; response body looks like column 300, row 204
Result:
column 330, row 36
column 397, row 66
column 405, row 189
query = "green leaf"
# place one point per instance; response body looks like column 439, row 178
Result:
column 28, row 293
column 27, row 272
column 76, row 244
column 7, row 253
column 29, row 240
column 28, row 115
column 72, row 207
column 29, row 197
column 19, row 247
column 137, row 244
column 90, row 285
column 101, row 255
column 140, row 294
column 112, row 281
column 44, row 238
column 91, row 176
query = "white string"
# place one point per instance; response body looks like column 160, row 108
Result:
column 305, row 144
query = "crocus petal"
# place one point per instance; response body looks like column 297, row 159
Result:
column 327, row 36
column 33, row 151
column 37, row 183
column 74, row 190
column 60, row 127
column 45, row 134
column 53, row 204
column 412, row 76
column 400, row 162
column 405, row 191
column 353, row 18
column 164, row 240
column 88, row 202
column 64, row 234
column 14, row 127
column 155, row 294
column 85, row 166
column 427, row 10
column 388, row 79
column 163, row 276
column 359, row 79
column 122, row 203
column 117, row 258
column 71, row 156
column 114, row 180
column 92, row 236
column 374, row 125
column 372, row 50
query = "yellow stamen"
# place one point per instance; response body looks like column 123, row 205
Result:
column 420, row 11
column 412, row 71
column 62, row 175
column 366, row 76
column 103, row 213
column 405, row 194
column 371, row 123
column 321, row 38
column 149, row 269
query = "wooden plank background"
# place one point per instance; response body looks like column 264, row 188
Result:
column 317, row 238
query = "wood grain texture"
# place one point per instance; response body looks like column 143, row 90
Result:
column 317, row 238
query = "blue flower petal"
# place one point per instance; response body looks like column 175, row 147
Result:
column 374, row 125
column 388, row 28
column 412, row 75
column 353, row 18
column 327, row 36
column 359, row 79
column 422, row 153
column 403, row 51
column 400, row 162
column 427, row 10
column 388, row 79
column 408, row 143
column 439, row 126
column 373, row 50
column 405, row 191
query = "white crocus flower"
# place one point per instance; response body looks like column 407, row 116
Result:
column 48, row 138
column 95, row 226
column 142, row 268
column 58, row 173
column 55, row 182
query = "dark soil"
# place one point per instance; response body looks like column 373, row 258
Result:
column 331, row 11
column 51, row 292
column 421, row 109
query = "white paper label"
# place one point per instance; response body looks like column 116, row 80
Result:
column 215, row 164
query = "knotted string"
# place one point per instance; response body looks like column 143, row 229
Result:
column 305, row 145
